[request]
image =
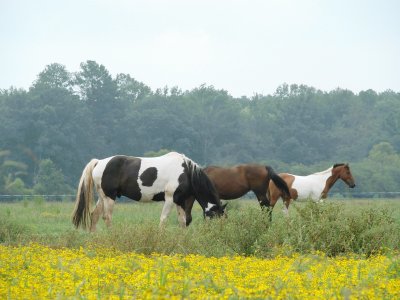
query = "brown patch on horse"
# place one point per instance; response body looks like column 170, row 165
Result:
column 339, row 171
column 275, row 193
column 329, row 183
column 293, row 194
column 230, row 183
column 236, row 181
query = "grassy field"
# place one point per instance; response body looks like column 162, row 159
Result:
column 334, row 227
column 347, row 249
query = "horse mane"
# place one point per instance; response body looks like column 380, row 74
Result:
column 338, row 165
column 202, row 186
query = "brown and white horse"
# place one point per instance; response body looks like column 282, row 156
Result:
column 234, row 182
column 171, row 178
column 315, row 186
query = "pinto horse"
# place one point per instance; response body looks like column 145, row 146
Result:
column 234, row 182
column 315, row 186
column 171, row 178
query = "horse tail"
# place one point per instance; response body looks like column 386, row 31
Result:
column 279, row 182
column 202, row 186
column 84, row 197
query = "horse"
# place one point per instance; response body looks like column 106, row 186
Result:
column 172, row 178
column 315, row 186
column 234, row 182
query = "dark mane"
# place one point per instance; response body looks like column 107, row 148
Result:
column 202, row 186
column 338, row 165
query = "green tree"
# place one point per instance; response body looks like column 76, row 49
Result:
column 157, row 153
column 379, row 172
column 130, row 90
column 99, row 93
column 50, row 180
column 11, row 174
column 54, row 76
column 95, row 83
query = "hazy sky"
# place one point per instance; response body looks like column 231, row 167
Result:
column 242, row 46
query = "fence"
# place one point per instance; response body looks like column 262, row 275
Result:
column 50, row 198
column 250, row 195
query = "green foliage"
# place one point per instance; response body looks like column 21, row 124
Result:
column 50, row 180
column 157, row 153
column 38, row 200
column 10, row 175
column 10, row 231
column 329, row 228
column 380, row 170
column 15, row 187
column 53, row 76
column 339, row 228
column 70, row 118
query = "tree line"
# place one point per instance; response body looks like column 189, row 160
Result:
column 51, row 130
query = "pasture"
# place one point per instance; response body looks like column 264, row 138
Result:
column 334, row 227
column 337, row 249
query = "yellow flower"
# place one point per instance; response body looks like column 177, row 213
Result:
column 40, row 272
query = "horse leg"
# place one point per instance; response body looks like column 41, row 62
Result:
column 108, row 210
column 274, row 195
column 265, row 204
column 181, row 216
column 166, row 209
column 262, row 200
column 98, row 210
column 188, row 209
column 286, row 207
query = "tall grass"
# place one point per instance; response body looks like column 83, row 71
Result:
column 335, row 228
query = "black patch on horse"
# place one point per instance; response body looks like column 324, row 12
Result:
column 149, row 176
column 120, row 177
column 159, row 197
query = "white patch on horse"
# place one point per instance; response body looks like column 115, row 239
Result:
column 311, row 186
column 209, row 206
column 166, row 169
column 99, row 170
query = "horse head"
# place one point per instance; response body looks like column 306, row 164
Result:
column 345, row 175
column 212, row 211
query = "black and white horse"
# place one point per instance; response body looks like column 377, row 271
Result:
column 171, row 178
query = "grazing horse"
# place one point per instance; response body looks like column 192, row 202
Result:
column 234, row 182
column 171, row 178
column 315, row 186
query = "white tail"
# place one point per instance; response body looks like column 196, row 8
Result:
column 84, row 197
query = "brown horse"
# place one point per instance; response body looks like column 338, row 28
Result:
column 315, row 186
column 234, row 182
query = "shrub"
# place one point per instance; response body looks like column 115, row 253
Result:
column 327, row 227
column 10, row 231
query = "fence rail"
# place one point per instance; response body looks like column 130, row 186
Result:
column 50, row 198
column 66, row 197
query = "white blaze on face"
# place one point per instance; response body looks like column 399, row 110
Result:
column 209, row 206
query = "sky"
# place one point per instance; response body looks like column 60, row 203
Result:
column 245, row 47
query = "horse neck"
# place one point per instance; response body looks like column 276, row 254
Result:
column 329, row 182
column 206, row 189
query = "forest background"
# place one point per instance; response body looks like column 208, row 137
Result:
column 50, row 131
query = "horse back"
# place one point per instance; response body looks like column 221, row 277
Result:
column 230, row 183
column 140, row 178
column 234, row 182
